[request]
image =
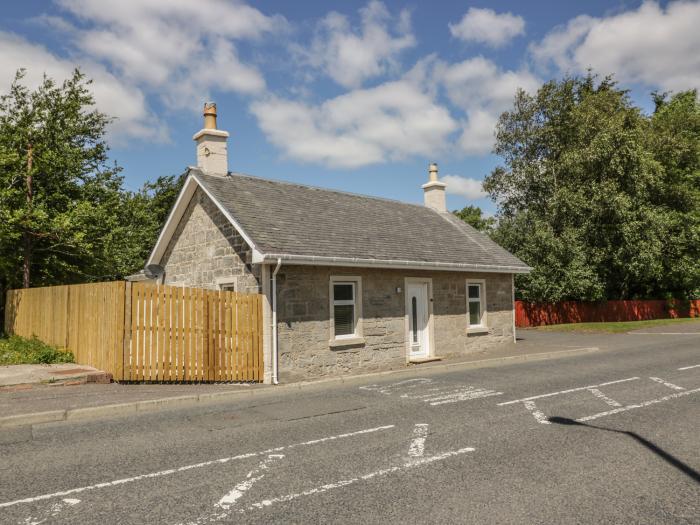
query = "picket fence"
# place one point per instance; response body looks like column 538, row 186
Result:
column 146, row 332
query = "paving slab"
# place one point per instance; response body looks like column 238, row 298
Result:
column 12, row 375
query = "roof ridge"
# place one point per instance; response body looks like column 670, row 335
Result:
column 318, row 188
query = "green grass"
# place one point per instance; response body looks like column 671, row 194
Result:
column 614, row 327
column 15, row 350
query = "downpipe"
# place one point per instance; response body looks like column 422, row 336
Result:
column 275, row 367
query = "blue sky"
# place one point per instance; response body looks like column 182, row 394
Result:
column 358, row 96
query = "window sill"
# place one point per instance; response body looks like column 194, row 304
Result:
column 478, row 330
column 350, row 341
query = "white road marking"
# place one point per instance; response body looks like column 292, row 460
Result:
column 666, row 383
column 253, row 476
column 537, row 414
column 597, row 393
column 54, row 510
column 566, row 391
column 688, row 367
column 417, row 447
column 414, row 462
column 463, row 396
column 167, row 472
column 640, row 405
column 406, row 383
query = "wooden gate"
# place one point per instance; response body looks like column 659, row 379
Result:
column 144, row 332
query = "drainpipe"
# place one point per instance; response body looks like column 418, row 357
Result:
column 275, row 371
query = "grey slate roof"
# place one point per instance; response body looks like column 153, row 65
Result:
column 292, row 219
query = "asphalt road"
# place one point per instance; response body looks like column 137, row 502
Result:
column 607, row 437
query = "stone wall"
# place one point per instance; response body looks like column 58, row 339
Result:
column 304, row 319
column 206, row 249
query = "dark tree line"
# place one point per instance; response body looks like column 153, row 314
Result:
column 601, row 199
column 65, row 216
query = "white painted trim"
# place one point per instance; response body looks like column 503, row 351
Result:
column 183, row 200
column 223, row 281
column 483, row 326
column 228, row 215
column 407, row 322
column 357, row 337
column 316, row 260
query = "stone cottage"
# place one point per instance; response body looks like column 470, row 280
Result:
column 351, row 283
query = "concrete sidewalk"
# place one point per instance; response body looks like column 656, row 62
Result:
column 20, row 406
column 58, row 374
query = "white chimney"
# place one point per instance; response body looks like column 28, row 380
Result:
column 434, row 190
column 212, row 155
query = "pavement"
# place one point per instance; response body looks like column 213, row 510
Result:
column 57, row 374
column 607, row 436
column 49, row 393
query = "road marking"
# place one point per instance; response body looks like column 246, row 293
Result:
column 406, row 383
column 417, row 447
column 640, row 405
column 537, row 414
column 413, row 463
column 253, row 476
column 566, row 391
column 597, row 393
column 666, row 383
column 688, row 367
column 463, row 395
column 53, row 511
column 437, row 394
column 167, row 472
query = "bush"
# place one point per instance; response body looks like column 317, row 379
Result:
column 16, row 350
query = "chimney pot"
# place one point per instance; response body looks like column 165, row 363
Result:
column 434, row 190
column 209, row 115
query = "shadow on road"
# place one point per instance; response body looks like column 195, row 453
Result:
column 670, row 459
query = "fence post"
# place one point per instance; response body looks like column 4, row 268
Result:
column 126, row 333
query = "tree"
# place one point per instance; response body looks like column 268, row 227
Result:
column 55, row 183
column 474, row 216
column 599, row 198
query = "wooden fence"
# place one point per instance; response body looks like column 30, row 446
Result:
column 143, row 332
column 536, row 314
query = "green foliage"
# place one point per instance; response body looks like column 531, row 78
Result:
column 17, row 350
column 473, row 215
column 64, row 214
column 600, row 199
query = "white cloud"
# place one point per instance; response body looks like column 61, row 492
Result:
column 483, row 92
column 466, row 187
column 391, row 121
column 350, row 55
column 112, row 95
column 177, row 50
column 488, row 27
column 650, row 45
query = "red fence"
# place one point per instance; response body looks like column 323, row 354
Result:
column 533, row 314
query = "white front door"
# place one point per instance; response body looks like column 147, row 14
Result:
column 417, row 310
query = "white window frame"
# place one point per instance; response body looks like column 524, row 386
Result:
column 227, row 281
column 482, row 326
column 356, row 282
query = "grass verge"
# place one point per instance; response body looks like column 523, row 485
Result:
column 614, row 327
column 15, row 350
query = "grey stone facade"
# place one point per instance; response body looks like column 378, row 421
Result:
column 207, row 250
column 303, row 315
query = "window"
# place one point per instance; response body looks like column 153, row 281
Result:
column 345, row 307
column 227, row 284
column 476, row 304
